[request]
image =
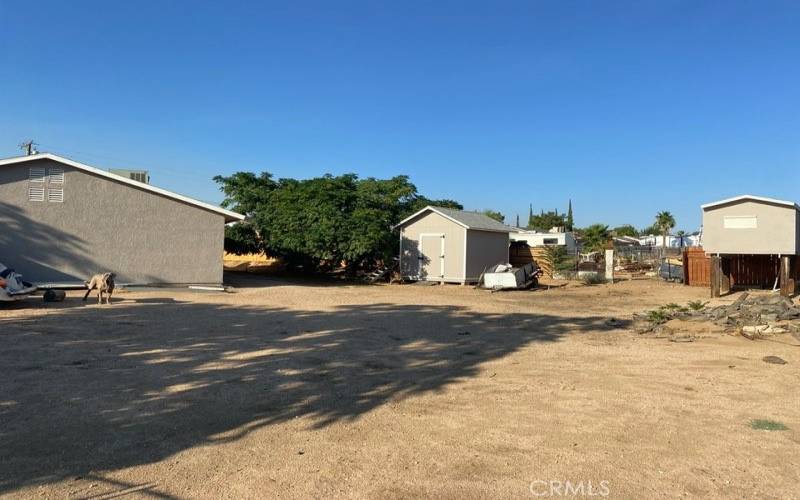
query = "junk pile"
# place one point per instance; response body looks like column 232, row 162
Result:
column 751, row 317
column 12, row 286
column 506, row 277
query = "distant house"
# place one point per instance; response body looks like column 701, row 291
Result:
column 64, row 221
column 453, row 246
column 657, row 240
column 538, row 239
column 626, row 241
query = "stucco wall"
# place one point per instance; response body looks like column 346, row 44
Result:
column 776, row 231
column 431, row 222
column 485, row 249
column 104, row 225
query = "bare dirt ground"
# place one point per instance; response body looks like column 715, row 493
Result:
column 299, row 390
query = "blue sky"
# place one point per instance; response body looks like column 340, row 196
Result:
column 627, row 108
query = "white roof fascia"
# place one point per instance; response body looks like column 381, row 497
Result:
column 753, row 198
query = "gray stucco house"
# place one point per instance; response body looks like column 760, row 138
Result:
column 452, row 246
column 63, row 221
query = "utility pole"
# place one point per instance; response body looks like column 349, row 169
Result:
column 29, row 147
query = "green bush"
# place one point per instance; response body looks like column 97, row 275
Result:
column 593, row 279
column 697, row 305
column 767, row 425
column 658, row 316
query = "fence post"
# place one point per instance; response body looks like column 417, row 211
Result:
column 685, row 258
column 610, row 266
column 716, row 273
column 787, row 283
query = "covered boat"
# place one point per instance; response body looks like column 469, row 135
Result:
column 12, row 286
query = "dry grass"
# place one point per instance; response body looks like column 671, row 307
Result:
column 299, row 390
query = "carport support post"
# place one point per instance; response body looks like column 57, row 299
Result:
column 787, row 283
column 716, row 275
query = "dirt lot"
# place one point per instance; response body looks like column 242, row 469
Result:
column 291, row 389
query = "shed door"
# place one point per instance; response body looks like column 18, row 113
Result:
column 431, row 258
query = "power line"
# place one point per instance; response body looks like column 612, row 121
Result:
column 120, row 163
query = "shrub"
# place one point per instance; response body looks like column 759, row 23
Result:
column 593, row 279
column 767, row 425
column 697, row 305
column 658, row 316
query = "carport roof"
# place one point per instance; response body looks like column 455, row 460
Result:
column 469, row 220
column 229, row 215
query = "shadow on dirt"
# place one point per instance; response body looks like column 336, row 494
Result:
column 103, row 388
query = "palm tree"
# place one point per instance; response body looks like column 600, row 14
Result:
column 681, row 234
column 595, row 237
column 665, row 221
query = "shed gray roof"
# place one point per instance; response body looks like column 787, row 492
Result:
column 470, row 220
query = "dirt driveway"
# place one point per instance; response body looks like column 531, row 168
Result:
column 300, row 390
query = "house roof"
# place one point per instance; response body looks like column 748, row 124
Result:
column 229, row 215
column 750, row 197
column 469, row 220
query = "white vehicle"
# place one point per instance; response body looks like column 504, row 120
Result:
column 12, row 286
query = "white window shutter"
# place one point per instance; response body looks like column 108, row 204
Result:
column 36, row 174
column 56, row 175
column 35, row 193
column 55, row 195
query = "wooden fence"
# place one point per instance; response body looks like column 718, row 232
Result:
column 758, row 271
column 696, row 267
column 519, row 255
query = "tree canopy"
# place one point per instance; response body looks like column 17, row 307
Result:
column 321, row 222
column 665, row 222
column 625, row 230
column 546, row 221
column 595, row 237
column 494, row 215
column 570, row 221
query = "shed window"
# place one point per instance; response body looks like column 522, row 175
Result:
column 550, row 241
column 56, row 175
column 55, row 194
column 36, row 174
column 35, row 193
column 740, row 222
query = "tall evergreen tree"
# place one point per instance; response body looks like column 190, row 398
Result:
column 530, row 215
column 517, row 220
column 570, row 221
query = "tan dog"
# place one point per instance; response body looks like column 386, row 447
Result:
column 104, row 284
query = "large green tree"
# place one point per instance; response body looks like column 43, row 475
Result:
column 321, row 222
column 421, row 202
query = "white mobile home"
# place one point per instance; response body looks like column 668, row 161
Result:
column 537, row 239
column 453, row 246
